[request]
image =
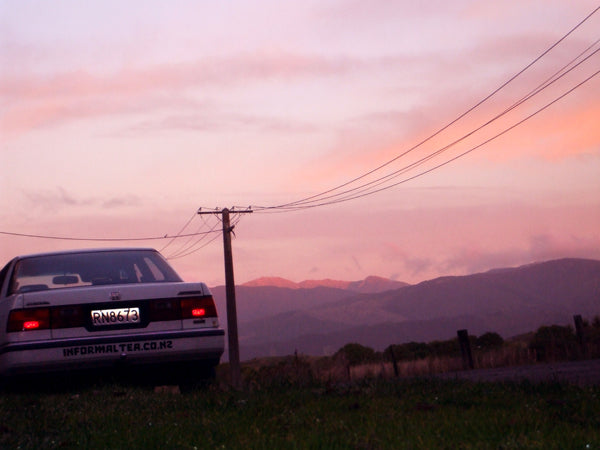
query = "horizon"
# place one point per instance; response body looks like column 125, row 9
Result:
column 268, row 278
column 508, row 302
column 119, row 121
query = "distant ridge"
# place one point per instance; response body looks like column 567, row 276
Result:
column 320, row 320
column 371, row 284
column 272, row 281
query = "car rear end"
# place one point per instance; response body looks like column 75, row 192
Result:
column 159, row 324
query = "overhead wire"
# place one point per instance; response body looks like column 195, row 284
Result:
column 94, row 239
column 444, row 163
column 180, row 231
column 188, row 245
column 318, row 196
column 562, row 72
column 187, row 253
column 234, row 221
column 337, row 194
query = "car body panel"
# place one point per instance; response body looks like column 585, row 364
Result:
column 152, row 348
column 154, row 339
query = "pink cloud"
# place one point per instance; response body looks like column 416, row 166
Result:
column 566, row 129
column 56, row 199
column 213, row 71
column 461, row 240
column 39, row 101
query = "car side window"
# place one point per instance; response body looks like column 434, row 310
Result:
column 3, row 274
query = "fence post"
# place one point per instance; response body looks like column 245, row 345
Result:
column 394, row 361
column 465, row 349
column 580, row 332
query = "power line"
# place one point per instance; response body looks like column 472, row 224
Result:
column 317, row 197
column 330, row 196
column 181, row 255
column 237, row 217
column 119, row 239
column 188, row 249
column 487, row 141
column 180, row 231
column 92, row 239
column 366, row 188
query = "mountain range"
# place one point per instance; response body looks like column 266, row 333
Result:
column 317, row 317
column 369, row 285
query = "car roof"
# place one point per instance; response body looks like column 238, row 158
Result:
column 87, row 250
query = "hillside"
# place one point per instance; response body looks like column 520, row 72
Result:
column 320, row 320
column 370, row 284
column 259, row 302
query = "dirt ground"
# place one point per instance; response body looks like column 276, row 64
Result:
column 582, row 373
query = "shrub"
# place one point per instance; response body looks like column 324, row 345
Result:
column 413, row 351
column 489, row 341
column 554, row 342
column 355, row 354
column 447, row 348
column 407, row 352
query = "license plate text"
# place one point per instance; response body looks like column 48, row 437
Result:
column 118, row 316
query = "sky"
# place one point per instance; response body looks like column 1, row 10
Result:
column 120, row 120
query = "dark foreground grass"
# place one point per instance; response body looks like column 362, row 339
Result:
column 369, row 415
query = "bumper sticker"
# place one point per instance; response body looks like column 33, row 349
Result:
column 117, row 348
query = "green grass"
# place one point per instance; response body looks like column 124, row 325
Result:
column 371, row 414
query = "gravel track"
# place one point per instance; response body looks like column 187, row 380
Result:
column 582, row 373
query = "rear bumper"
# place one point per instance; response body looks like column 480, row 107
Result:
column 204, row 345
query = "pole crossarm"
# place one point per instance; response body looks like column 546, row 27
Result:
column 232, row 210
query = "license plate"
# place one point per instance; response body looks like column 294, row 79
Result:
column 118, row 316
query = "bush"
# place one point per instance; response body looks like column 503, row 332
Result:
column 355, row 354
column 447, row 348
column 592, row 337
column 554, row 342
column 407, row 352
column 489, row 341
column 413, row 351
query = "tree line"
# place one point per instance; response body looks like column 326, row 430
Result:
column 547, row 343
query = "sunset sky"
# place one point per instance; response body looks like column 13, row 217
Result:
column 118, row 120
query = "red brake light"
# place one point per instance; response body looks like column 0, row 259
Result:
column 28, row 319
column 198, row 312
column 197, row 307
column 186, row 308
column 31, row 325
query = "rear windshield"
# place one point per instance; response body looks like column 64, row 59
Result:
column 91, row 268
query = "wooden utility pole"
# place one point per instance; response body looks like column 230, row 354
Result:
column 232, row 328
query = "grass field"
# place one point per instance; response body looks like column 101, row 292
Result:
column 367, row 414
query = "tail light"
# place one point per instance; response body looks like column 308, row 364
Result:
column 29, row 319
column 198, row 308
column 75, row 316
column 45, row 318
column 185, row 308
column 168, row 309
column 67, row 317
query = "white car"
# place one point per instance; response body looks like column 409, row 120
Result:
column 86, row 309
